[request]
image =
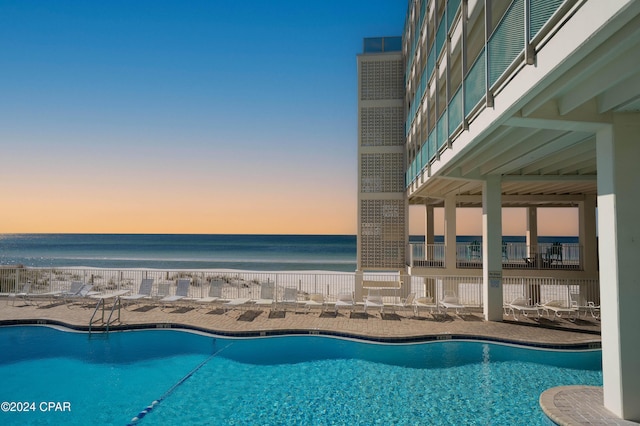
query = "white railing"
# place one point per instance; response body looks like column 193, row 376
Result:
column 427, row 255
column 468, row 289
column 553, row 256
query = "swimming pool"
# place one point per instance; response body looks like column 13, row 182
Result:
column 201, row 379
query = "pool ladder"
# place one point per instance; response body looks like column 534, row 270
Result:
column 101, row 303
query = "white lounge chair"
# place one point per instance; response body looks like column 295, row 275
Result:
column 182, row 291
column 214, row 294
column 559, row 308
column 315, row 300
column 424, row 302
column 594, row 309
column 235, row 303
column 22, row 294
column 452, row 302
column 406, row 303
column 373, row 300
column 267, row 294
column 519, row 305
column 289, row 298
column 344, row 300
column 78, row 291
column 144, row 292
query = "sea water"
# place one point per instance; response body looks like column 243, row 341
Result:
column 188, row 252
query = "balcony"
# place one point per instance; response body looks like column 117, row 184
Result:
column 544, row 256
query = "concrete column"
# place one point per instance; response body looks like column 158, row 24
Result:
column 429, row 233
column 450, row 231
column 618, row 152
column 532, row 231
column 492, row 247
column 587, row 235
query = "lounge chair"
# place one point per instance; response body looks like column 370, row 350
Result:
column 77, row 291
column 144, row 291
column 214, row 294
column 558, row 307
column 23, row 294
column 406, row 303
column 373, row 300
column 520, row 305
column 182, row 291
column 344, row 300
column 315, row 300
column 452, row 302
column 594, row 309
column 424, row 302
column 289, row 298
column 267, row 295
column 235, row 303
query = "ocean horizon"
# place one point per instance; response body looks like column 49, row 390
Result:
column 251, row 252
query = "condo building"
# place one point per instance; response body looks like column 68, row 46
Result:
column 492, row 104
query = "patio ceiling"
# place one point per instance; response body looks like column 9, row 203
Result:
column 544, row 145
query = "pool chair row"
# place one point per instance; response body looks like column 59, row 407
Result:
column 551, row 309
column 375, row 301
column 78, row 291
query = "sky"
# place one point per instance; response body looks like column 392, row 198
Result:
column 168, row 116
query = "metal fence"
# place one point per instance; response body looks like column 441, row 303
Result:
column 552, row 256
column 468, row 289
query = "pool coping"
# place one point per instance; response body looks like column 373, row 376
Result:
column 578, row 405
column 423, row 338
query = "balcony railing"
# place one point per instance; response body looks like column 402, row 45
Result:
column 549, row 256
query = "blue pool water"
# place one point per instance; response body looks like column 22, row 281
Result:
column 277, row 380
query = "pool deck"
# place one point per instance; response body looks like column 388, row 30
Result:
column 398, row 326
column 565, row 405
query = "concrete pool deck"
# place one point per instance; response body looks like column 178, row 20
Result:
column 398, row 326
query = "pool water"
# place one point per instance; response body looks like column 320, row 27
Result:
column 280, row 380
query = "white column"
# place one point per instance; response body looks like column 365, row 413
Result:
column 429, row 233
column 450, row 231
column 587, row 237
column 492, row 247
column 532, row 231
column 618, row 152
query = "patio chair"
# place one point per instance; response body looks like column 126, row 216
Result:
column 235, row 303
column 78, row 291
column 405, row 304
column 594, row 309
column 559, row 308
column 554, row 253
column 373, row 300
column 182, row 291
column 520, row 305
column 424, row 302
column 315, row 300
column 23, row 294
column 289, row 298
column 344, row 300
column 144, row 292
column 214, row 294
column 267, row 294
column 451, row 302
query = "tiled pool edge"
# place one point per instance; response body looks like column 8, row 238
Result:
column 590, row 345
column 578, row 405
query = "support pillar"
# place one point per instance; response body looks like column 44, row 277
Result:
column 429, row 237
column 618, row 151
column 492, row 247
column 429, row 233
column 450, row 232
column 532, row 231
column 587, row 235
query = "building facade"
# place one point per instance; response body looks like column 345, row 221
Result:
column 522, row 103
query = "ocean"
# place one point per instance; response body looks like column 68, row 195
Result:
column 189, row 252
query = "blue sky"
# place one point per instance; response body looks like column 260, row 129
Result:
column 183, row 116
